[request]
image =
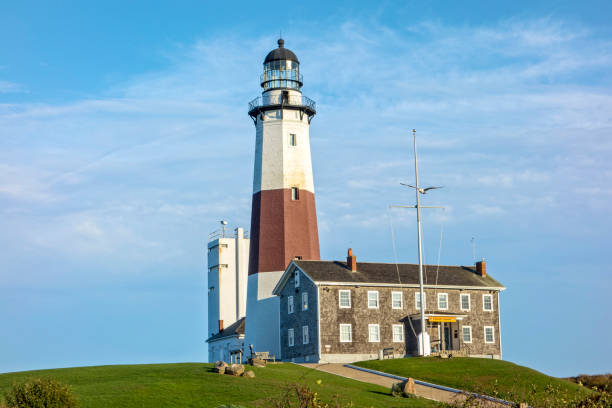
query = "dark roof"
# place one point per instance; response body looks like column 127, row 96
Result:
column 281, row 53
column 367, row 272
column 234, row 329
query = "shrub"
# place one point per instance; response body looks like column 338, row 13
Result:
column 397, row 390
column 300, row 396
column 602, row 382
column 40, row 393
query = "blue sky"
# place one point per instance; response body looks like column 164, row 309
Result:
column 124, row 139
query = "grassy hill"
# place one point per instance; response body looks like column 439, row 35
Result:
column 492, row 377
column 195, row 385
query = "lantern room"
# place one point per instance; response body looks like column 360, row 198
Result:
column 281, row 69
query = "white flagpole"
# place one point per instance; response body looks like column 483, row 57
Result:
column 418, row 208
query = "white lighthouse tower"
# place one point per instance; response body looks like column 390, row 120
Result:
column 283, row 216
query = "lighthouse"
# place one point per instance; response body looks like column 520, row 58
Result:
column 283, row 213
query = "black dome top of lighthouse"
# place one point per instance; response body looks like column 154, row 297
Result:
column 281, row 53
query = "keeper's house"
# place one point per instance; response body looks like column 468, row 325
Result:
column 333, row 311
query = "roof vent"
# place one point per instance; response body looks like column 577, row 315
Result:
column 481, row 268
column 351, row 260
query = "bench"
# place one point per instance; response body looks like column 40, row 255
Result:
column 388, row 352
column 264, row 355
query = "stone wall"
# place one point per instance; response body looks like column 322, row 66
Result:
column 360, row 316
column 299, row 352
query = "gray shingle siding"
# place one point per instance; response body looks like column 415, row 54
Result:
column 299, row 318
column 360, row 316
column 331, row 277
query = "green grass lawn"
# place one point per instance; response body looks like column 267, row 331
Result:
column 493, row 377
column 195, row 385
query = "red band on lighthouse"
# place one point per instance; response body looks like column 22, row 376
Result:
column 282, row 228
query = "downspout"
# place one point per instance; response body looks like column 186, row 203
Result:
column 499, row 323
column 318, row 323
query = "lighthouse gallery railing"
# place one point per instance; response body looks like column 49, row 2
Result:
column 280, row 99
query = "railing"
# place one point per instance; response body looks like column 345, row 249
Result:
column 280, row 99
column 454, row 353
column 464, row 351
column 227, row 233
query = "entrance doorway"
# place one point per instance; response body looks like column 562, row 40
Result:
column 448, row 338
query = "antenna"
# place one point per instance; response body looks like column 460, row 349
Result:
column 473, row 241
column 223, row 225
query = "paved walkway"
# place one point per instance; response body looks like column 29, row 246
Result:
column 421, row 390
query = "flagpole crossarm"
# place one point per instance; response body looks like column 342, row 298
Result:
column 414, row 206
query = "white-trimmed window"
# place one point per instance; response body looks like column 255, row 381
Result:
column 398, row 333
column 466, row 334
column 346, row 333
column 345, row 298
column 296, row 278
column 372, row 299
column 290, row 339
column 397, row 300
column 374, row 333
column 305, row 301
column 417, row 300
column 305, row 338
column 443, row 301
column 465, row 301
column 489, row 335
column 290, row 304
column 292, row 139
column 487, row 303
column 295, row 193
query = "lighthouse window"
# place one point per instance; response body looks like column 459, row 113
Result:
column 295, row 193
column 292, row 139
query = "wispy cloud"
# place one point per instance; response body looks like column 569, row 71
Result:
column 10, row 87
column 156, row 160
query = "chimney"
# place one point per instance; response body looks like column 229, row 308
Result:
column 351, row 261
column 481, row 268
column 220, row 326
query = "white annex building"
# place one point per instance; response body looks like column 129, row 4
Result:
column 228, row 261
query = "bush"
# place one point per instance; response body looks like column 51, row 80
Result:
column 397, row 390
column 602, row 382
column 45, row 393
column 301, row 396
